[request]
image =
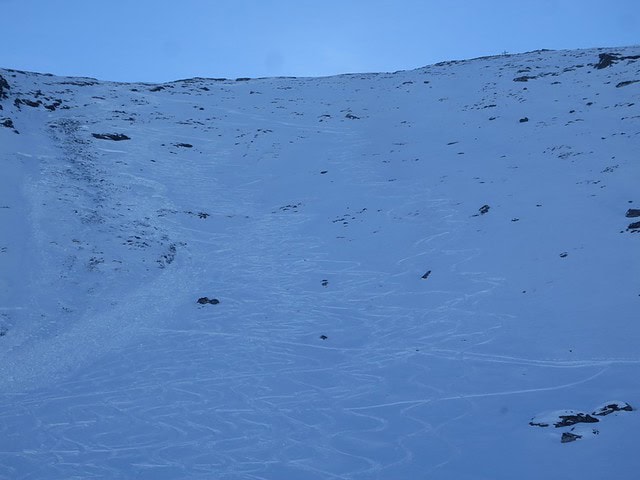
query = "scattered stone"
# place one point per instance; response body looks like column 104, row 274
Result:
column 323, row 172
column 116, row 137
column 568, row 420
column 207, row 300
column 633, row 212
column 426, row 275
column 203, row 215
column 563, row 254
column 183, row 145
column 323, row 337
column 168, row 257
column 484, row 209
column 524, row 78
column 568, row 437
column 524, row 119
column 325, row 283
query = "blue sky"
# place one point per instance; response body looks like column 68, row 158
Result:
column 161, row 40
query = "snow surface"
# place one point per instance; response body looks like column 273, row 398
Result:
column 312, row 208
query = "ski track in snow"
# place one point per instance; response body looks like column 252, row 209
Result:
column 111, row 369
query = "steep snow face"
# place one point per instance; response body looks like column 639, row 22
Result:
column 404, row 275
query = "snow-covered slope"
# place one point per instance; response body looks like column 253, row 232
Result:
column 414, row 271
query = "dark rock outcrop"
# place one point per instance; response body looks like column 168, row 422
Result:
column 633, row 212
column 568, row 420
column 606, row 60
column 634, row 226
column 4, row 86
column 25, row 101
column 625, row 83
column 568, row 437
column 111, row 136
column 207, row 300
column 524, row 78
column 613, row 407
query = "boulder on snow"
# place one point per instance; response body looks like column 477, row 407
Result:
column 111, row 136
column 634, row 226
column 633, row 212
column 568, row 437
column 207, row 300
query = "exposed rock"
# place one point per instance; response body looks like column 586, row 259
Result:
column 625, row 83
column 524, row 78
column 7, row 123
column 524, row 119
column 207, row 300
column 538, row 424
column 242, row 79
column 323, row 337
column 325, row 283
column 25, row 101
column 183, row 145
column 568, row 437
column 613, row 407
column 633, row 212
column 484, row 209
column 156, row 88
column 426, row 275
column 634, row 226
column 568, row 420
column 606, row 60
column 351, row 116
column 54, row 105
column 111, row 136
column 563, row 254
column 4, row 86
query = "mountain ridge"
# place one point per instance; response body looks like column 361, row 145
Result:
column 410, row 269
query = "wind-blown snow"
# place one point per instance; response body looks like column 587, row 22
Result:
column 312, row 208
